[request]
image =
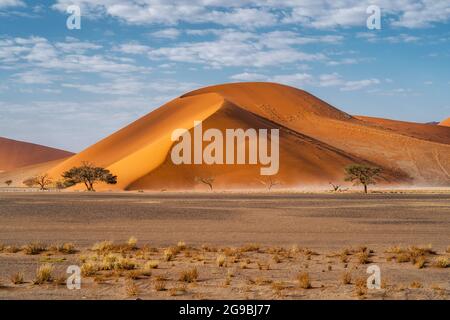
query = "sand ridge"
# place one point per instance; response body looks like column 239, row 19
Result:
column 317, row 141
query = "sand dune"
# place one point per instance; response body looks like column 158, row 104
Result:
column 15, row 154
column 316, row 142
column 445, row 123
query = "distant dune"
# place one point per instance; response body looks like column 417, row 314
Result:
column 16, row 154
column 317, row 141
column 445, row 123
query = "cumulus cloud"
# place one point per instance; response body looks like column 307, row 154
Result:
column 320, row 14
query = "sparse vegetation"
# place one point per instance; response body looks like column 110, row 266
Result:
column 88, row 174
column 131, row 288
column 42, row 181
column 304, row 280
column 189, row 276
column 360, row 287
column 43, row 274
column 34, row 248
column 17, row 278
column 346, row 278
column 441, row 262
column 209, row 181
column 361, row 174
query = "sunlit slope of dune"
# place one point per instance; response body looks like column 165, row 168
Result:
column 445, row 123
column 317, row 141
column 422, row 151
column 15, row 154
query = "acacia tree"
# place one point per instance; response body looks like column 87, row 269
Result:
column 8, row 182
column 88, row 174
column 43, row 181
column 362, row 174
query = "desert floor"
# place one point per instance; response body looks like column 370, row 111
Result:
column 225, row 245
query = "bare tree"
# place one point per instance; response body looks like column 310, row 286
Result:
column 43, row 181
column 336, row 187
column 269, row 183
column 208, row 181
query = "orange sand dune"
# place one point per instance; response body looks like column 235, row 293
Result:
column 445, row 123
column 316, row 142
column 15, row 154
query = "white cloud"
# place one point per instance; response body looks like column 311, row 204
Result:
column 11, row 3
column 319, row 14
column 246, row 76
column 34, row 77
column 359, row 84
column 133, row 48
column 234, row 48
column 170, row 33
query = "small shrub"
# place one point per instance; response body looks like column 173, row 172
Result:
column 346, row 278
column 34, row 248
column 181, row 245
column 189, row 276
column 304, row 280
column 160, row 285
column 415, row 285
column 152, row 264
column 403, row 257
column 132, row 243
column 441, row 262
column 124, row 264
column 421, row 262
column 43, row 274
column 131, row 288
column 361, row 287
column 88, row 269
column 103, row 246
column 363, row 257
column 220, row 260
column 17, row 278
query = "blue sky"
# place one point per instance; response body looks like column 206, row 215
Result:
column 70, row 88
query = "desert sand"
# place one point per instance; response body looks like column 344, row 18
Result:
column 242, row 246
column 16, row 154
column 445, row 123
column 317, row 141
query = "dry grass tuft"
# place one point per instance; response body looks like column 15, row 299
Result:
column 304, row 280
column 131, row 288
column 363, row 257
column 43, row 274
column 441, row 262
column 181, row 245
column 160, row 285
column 152, row 264
column 220, row 260
column 178, row 291
column 360, row 287
column 346, row 278
column 34, row 248
column 189, row 276
column 89, row 269
column 103, row 247
column 17, row 278
column 250, row 247
column 132, row 243
column 65, row 248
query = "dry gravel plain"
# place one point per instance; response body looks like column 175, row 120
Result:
column 225, row 245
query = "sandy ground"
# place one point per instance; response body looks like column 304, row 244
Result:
column 295, row 233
